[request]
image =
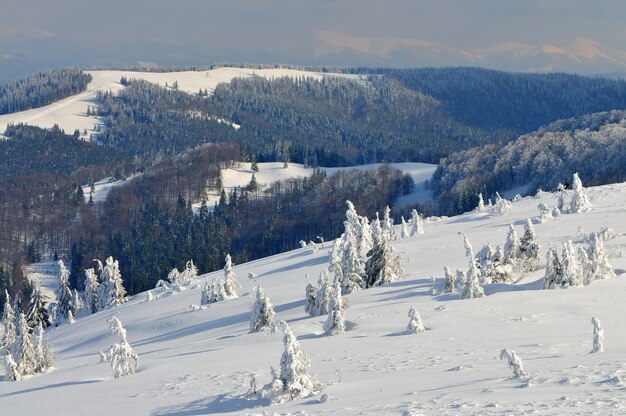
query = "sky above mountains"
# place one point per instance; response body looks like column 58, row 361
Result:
column 529, row 35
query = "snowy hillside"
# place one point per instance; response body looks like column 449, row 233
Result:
column 71, row 113
column 193, row 363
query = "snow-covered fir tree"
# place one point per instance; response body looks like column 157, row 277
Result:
column 387, row 223
column 42, row 351
column 215, row 292
column 311, row 290
column 324, row 294
column 572, row 275
column 111, row 291
column 449, row 286
column 404, row 231
column 12, row 372
column 9, row 334
column 511, row 249
column 472, row 288
column 417, row 224
column 352, row 272
column 598, row 336
column 383, row 265
column 294, row 380
column 554, row 270
column 580, row 201
column 91, row 291
column 501, row 271
column 529, row 248
column 415, row 325
column 515, row 363
column 562, row 207
column 502, row 207
column 545, row 213
column 484, row 262
column 231, row 284
column 481, row 204
column 24, row 349
column 598, row 263
column 262, row 316
column 366, row 242
column 37, row 306
column 336, row 321
column 124, row 360
column 205, row 296
column 64, row 311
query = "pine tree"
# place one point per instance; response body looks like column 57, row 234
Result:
column 571, row 271
column 554, row 270
column 310, row 306
column 64, row 311
column 580, row 201
column 206, row 294
column 599, row 266
column 263, row 315
column 351, row 263
column 481, row 203
column 529, row 248
column 91, row 291
column 472, row 288
column 383, row 265
column 124, row 360
column 366, row 242
column 231, row 284
column 9, row 334
column 415, row 325
column 417, row 227
column 25, row 356
column 598, row 336
column 404, row 231
column 323, row 293
column 42, row 351
column 511, row 249
column 37, row 308
column 294, row 380
column 387, row 224
column 449, row 283
column 336, row 321
column 11, row 369
column 111, row 292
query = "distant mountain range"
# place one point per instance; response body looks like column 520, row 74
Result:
column 581, row 55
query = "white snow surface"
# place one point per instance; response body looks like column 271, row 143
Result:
column 71, row 112
column 193, row 363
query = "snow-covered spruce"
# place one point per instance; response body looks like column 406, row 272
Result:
column 42, row 350
column 598, row 263
column 310, row 306
column 231, row 284
column 294, row 380
column 387, row 224
column 481, row 204
column 511, row 249
column 324, row 293
column 37, row 306
column 336, row 321
column 383, row 265
column 417, row 224
column 529, row 248
column 502, row 207
column 415, row 325
column 214, row 292
column 545, row 213
column 580, row 201
column 24, row 349
column 351, row 272
column 111, row 291
column 571, row 273
column 472, row 288
column 449, row 284
column 554, row 272
column 598, row 336
column 262, row 314
column 404, row 232
column 64, row 311
column 9, row 333
column 515, row 363
column 91, row 291
column 124, row 360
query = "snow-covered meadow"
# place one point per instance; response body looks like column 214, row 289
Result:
column 71, row 113
column 200, row 362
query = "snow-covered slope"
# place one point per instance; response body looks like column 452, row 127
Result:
column 194, row 363
column 71, row 113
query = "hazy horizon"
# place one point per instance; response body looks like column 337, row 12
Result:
column 558, row 35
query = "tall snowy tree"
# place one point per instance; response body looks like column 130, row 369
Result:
column 554, row 270
column 231, row 284
column 91, row 290
column 404, row 231
column 481, row 203
column 111, row 291
column 262, row 316
column 64, row 311
column 336, row 321
column 511, row 249
column 124, row 360
column 529, row 248
column 449, row 280
column 366, row 242
column 294, row 380
column 37, row 306
column 472, row 288
column 571, row 272
column 580, row 201
column 324, row 293
column 383, row 265
column 417, row 226
column 10, row 330
column 42, row 351
column 387, row 223
column 415, row 325
column 25, row 355
column 599, row 266
column 351, row 263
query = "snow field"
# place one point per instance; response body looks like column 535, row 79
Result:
column 199, row 362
